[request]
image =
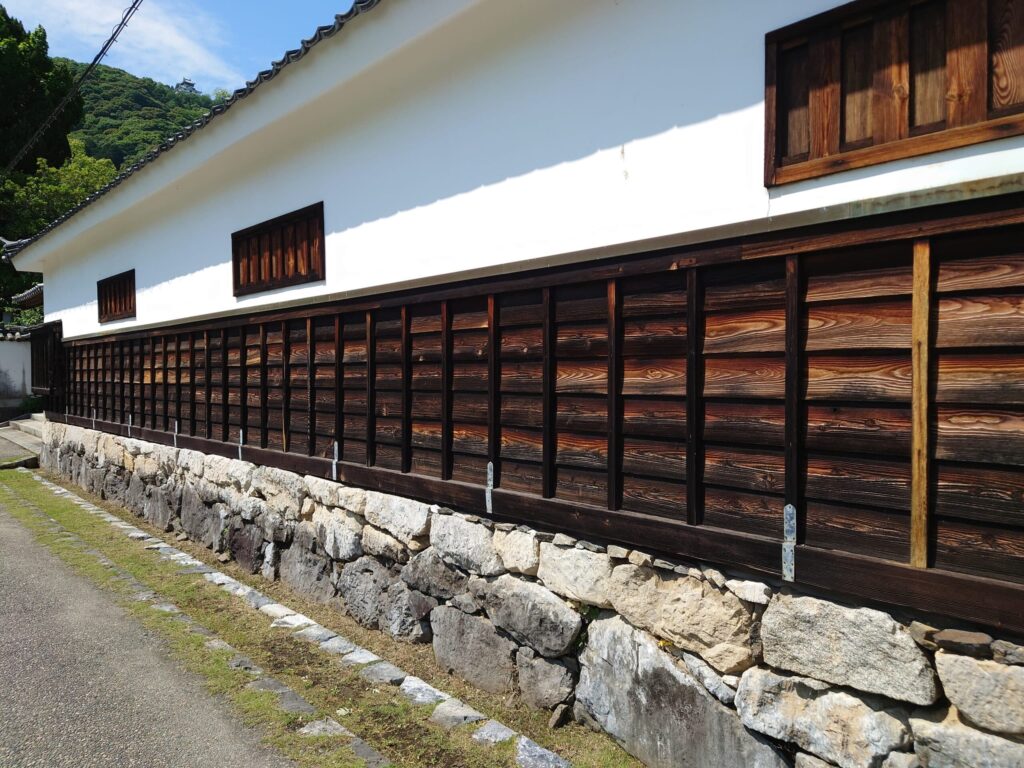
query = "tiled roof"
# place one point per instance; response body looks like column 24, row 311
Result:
column 322, row 33
column 33, row 297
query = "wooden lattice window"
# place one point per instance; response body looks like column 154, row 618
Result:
column 116, row 296
column 875, row 81
column 288, row 250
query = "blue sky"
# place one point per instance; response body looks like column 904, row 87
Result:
column 216, row 43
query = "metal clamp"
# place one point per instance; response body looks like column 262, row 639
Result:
column 129, row 425
column 334, row 463
column 241, row 441
column 788, row 542
column 490, row 487
column 175, row 433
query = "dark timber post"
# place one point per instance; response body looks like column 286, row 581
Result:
column 694, row 396
column 493, row 386
column 614, row 397
column 371, row 406
column 446, row 391
column 310, row 382
column 406, row 391
column 793, row 404
column 548, row 397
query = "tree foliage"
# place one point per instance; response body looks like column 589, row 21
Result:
column 126, row 116
column 31, row 85
column 28, row 202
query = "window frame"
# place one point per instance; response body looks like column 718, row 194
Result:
column 830, row 25
column 128, row 299
column 317, row 261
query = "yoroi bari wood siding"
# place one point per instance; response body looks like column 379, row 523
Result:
column 869, row 373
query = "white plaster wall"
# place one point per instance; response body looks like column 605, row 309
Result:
column 477, row 136
column 15, row 371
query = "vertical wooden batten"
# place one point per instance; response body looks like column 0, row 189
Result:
column 406, row 391
column 793, row 407
column 446, row 391
column 286, row 387
column 614, row 397
column 371, row 404
column 824, row 107
column 264, row 413
column 548, row 396
column 966, row 62
column 493, row 385
column 310, row 389
column 920, row 372
column 694, row 396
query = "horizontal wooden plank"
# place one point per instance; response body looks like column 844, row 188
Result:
column 654, row 497
column 745, row 468
column 581, row 450
column 980, row 378
column 980, row 493
column 871, row 482
column 748, row 330
column 984, row 435
column 654, row 417
column 643, row 376
column 867, row 378
column 868, row 325
column 858, row 429
column 762, row 377
column 859, row 284
column 581, row 376
column 862, row 530
column 981, row 549
column 655, row 458
column 980, row 273
column 734, row 510
column 977, row 321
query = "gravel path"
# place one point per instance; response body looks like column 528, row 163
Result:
column 82, row 684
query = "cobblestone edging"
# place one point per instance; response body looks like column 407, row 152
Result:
column 681, row 663
column 449, row 712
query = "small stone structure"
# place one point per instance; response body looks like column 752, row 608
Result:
column 682, row 664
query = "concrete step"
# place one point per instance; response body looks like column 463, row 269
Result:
column 29, row 426
column 24, row 440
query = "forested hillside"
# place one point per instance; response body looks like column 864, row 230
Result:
column 124, row 116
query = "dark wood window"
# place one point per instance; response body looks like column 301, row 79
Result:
column 873, row 81
column 288, row 250
column 116, row 296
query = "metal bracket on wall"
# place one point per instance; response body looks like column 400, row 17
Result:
column 334, row 463
column 94, row 418
column 129, row 425
column 175, row 433
column 490, row 486
column 788, row 542
column 241, row 442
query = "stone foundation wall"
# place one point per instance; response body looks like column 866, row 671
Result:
column 683, row 664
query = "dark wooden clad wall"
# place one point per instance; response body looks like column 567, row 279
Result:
column 673, row 401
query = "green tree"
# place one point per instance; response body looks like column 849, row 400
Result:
column 30, row 202
column 31, row 85
column 127, row 116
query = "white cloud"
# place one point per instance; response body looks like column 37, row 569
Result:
column 165, row 39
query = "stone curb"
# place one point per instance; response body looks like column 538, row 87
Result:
column 529, row 754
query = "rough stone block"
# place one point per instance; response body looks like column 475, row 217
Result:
column 519, row 551
column 691, row 613
column 430, row 574
column 383, row 545
column 533, row 615
column 339, row 532
column 363, row 585
column 306, row 572
column 942, row 741
column 470, row 647
column 245, row 543
column 858, row 647
column 405, row 519
column 545, row 683
column 468, row 545
column 656, row 710
column 576, row 573
column 405, row 613
column 987, row 693
column 850, row 731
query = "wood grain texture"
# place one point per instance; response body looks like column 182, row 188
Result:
column 1006, row 40
column 966, row 63
column 986, row 435
column 869, row 378
column 980, row 273
column 824, row 104
column 919, row 407
column 891, row 101
column 980, row 321
column 979, row 378
column 865, row 325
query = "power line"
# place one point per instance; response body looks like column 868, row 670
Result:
column 129, row 12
